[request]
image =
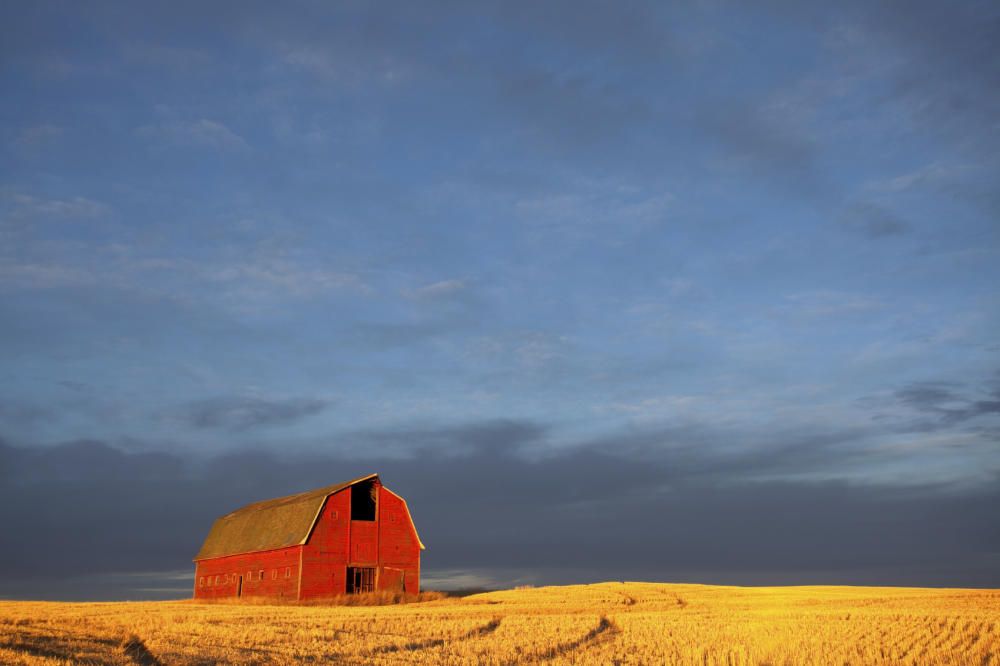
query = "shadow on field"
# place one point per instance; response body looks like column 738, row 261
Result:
column 137, row 652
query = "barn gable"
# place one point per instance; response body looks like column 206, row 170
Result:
column 271, row 524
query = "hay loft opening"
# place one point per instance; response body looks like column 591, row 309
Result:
column 363, row 500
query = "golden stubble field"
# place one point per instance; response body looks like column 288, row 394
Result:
column 607, row 623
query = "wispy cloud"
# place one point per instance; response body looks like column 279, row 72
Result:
column 971, row 182
column 589, row 209
column 38, row 135
column 948, row 403
column 256, row 277
column 240, row 413
column 828, row 303
column 873, row 220
column 445, row 289
column 347, row 62
column 758, row 139
column 23, row 205
column 29, row 275
column 202, row 132
column 266, row 276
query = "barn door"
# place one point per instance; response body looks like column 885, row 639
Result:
column 360, row 579
column 392, row 579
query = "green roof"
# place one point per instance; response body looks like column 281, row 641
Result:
column 274, row 523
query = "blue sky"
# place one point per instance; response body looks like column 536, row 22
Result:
column 761, row 241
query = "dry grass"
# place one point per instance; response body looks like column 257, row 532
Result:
column 382, row 598
column 630, row 623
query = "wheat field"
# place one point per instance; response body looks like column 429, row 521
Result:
column 607, row 623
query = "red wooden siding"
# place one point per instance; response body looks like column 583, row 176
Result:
column 324, row 557
column 280, row 575
column 399, row 549
column 364, row 542
column 318, row 568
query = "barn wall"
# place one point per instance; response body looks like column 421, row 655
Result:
column 399, row 555
column 280, row 575
column 325, row 555
column 364, row 542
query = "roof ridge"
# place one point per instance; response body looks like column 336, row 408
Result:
column 304, row 495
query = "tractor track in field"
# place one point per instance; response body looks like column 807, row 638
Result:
column 605, row 630
column 413, row 646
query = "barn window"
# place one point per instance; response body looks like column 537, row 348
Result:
column 274, row 574
column 216, row 579
column 201, row 582
column 249, row 576
column 288, row 572
column 260, row 575
column 225, row 579
column 210, row 581
column 363, row 499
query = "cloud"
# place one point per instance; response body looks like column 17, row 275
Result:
column 935, row 175
column 433, row 311
column 760, row 139
column 75, row 386
column 200, row 133
column 589, row 209
column 245, row 413
column 28, row 206
column 948, row 403
column 827, row 303
column 445, row 289
column 483, row 504
column 950, row 61
column 926, row 70
column 333, row 64
column 640, row 34
column 38, row 135
column 268, row 275
column 18, row 414
column 480, row 438
column 43, row 276
column 973, row 182
column 388, row 335
column 253, row 279
column 927, row 395
column 873, row 221
column 168, row 58
column 86, row 461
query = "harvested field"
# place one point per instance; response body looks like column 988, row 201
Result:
column 625, row 623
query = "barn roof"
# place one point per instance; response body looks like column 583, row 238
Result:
column 271, row 524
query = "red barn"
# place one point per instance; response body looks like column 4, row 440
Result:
column 355, row 536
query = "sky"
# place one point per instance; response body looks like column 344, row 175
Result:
column 695, row 291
